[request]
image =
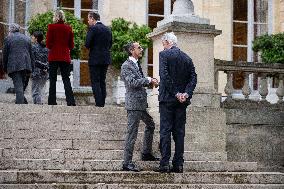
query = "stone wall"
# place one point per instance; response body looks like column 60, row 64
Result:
column 256, row 134
column 281, row 7
column 220, row 14
column 41, row 7
column 128, row 9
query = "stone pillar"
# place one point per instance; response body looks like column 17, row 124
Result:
column 196, row 38
column 281, row 15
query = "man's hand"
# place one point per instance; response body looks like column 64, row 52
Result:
column 155, row 82
column 182, row 97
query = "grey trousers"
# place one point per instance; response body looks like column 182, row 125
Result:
column 37, row 89
column 19, row 79
column 134, row 118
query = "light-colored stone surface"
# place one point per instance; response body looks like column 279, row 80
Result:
column 256, row 131
column 63, row 176
column 128, row 9
column 141, row 186
column 41, row 7
column 220, row 13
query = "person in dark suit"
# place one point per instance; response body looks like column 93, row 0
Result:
column 178, row 81
column 17, row 60
column 136, row 104
column 99, row 42
column 60, row 41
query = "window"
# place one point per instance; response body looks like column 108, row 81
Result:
column 156, row 12
column 250, row 19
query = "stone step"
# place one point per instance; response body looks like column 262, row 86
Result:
column 63, row 117
column 120, row 177
column 59, row 154
column 141, row 186
column 86, row 135
column 197, row 119
column 85, row 126
column 79, row 144
column 32, row 108
column 108, row 109
column 116, row 165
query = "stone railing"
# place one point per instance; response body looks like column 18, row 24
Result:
column 261, row 69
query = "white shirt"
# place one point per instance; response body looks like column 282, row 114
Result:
column 136, row 64
column 134, row 60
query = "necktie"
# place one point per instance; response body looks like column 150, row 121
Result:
column 140, row 69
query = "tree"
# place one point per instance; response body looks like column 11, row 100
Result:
column 123, row 32
column 271, row 47
column 40, row 22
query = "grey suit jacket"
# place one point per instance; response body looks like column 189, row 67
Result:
column 135, row 83
column 17, row 53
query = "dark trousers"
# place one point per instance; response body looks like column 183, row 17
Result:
column 65, row 73
column 172, row 121
column 134, row 117
column 19, row 80
column 98, row 80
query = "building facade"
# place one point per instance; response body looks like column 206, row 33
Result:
column 240, row 21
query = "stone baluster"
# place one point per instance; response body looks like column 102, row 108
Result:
column 246, row 88
column 280, row 90
column 263, row 87
column 229, row 86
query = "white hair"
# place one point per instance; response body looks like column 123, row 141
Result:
column 14, row 28
column 58, row 16
column 170, row 37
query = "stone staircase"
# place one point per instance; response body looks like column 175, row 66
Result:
column 82, row 148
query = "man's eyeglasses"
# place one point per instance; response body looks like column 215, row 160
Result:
column 140, row 48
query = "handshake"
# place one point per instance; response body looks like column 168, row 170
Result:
column 154, row 82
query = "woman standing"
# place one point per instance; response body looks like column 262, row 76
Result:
column 59, row 41
column 40, row 61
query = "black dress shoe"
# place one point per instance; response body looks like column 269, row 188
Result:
column 71, row 104
column 177, row 169
column 52, row 103
column 163, row 169
column 149, row 157
column 130, row 167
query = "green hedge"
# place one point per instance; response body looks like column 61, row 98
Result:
column 40, row 22
column 123, row 32
column 271, row 48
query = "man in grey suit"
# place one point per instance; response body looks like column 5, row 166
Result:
column 17, row 58
column 136, row 104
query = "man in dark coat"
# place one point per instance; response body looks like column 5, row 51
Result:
column 178, row 81
column 17, row 60
column 99, row 42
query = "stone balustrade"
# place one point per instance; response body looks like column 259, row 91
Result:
column 264, row 71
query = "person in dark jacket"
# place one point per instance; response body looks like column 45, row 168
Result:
column 60, row 41
column 40, row 73
column 99, row 42
column 17, row 60
column 177, row 83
